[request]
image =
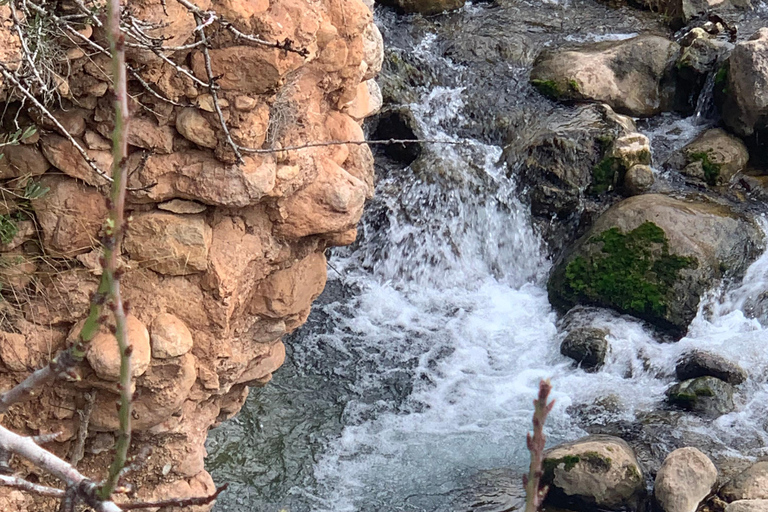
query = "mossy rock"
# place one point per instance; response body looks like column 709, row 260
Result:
column 707, row 396
column 596, row 472
column 653, row 257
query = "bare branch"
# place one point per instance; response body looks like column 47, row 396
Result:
column 180, row 502
column 25, row 485
column 82, row 430
column 534, row 493
column 25, row 47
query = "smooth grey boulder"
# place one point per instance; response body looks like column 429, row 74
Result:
column 745, row 109
column 634, row 76
column 698, row 363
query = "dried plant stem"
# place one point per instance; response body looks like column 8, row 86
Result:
column 24, row 485
column 113, row 236
column 534, row 493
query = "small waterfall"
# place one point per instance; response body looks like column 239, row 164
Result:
column 706, row 111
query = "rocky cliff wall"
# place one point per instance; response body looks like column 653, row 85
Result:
column 222, row 259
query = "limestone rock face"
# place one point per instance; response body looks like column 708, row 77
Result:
column 664, row 253
column 632, row 76
column 597, row 471
column 750, row 484
column 746, row 103
column 685, row 478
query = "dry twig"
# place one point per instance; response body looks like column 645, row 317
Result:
column 534, row 493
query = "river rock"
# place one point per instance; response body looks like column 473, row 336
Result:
column 587, row 346
column 714, row 157
column 685, row 478
column 707, row 396
column 745, row 108
column 653, row 256
column 594, row 472
column 425, row 6
column 750, row 484
column 747, row 506
column 553, row 180
column 634, row 76
column 638, row 180
column 698, row 363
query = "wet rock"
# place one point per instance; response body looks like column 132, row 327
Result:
column 170, row 337
column 555, row 168
column 587, row 346
column 104, row 354
column 70, row 215
column 745, row 107
column 596, row 471
column 698, row 363
column 169, row 244
column 634, row 76
column 702, row 55
column 750, row 484
column 707, row 396
column 425, row 6
column 747, row 506
column 626, row 151
column 685, row 478
column 714, row 157
column 638, row 180
column 653, row 256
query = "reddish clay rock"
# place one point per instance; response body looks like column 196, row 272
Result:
column 194, row 127
column 104, row 354
column 169, row 244
column 246, row 69
column 170, row 337
column 199, row 176
column 70, row 215
column 22, row 160
column 63, row 155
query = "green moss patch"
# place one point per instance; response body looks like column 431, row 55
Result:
column 604, row 175
column 711, row 169
column 631, row 272
column 569, row 461
column 548, row 88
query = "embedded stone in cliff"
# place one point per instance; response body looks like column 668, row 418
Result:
column 714, row 157
column 63, row 155
column 425, row 6
column 199, row 176
column 686, row 477
column 707, row 396
column 194, row 127
column 161, row 392
column 653, row 256
column 638, row 180
column 146, row 133
column 745, row 109
column 367, row 102
column 246, row 69
column 747, row 506
column 586, row 346
column 263, row 367
column 373, row 51
column 169, row 244
column 182, row 207
column 20, row 160
column 332, row 203
column 750, row 484
column 170, row 337
column 14, row 351
column 104, row 354
column 632, row 76
column 699, row 363
column 70, row 215
column 289, row 293
column 597, row 471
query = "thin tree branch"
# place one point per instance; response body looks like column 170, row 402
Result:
column 82, row 430
column 179, row 502
column 25, row 485
column 25, row 47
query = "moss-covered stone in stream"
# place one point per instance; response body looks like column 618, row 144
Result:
column 711, row 169
column 604, row 175
column 631, row 272
column 548, row 88
column 549, row 465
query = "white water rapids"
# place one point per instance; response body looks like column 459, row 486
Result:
column 450, row 299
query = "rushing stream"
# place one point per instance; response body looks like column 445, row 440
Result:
column 410, row 387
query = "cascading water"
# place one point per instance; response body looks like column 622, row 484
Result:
column 416, row 371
